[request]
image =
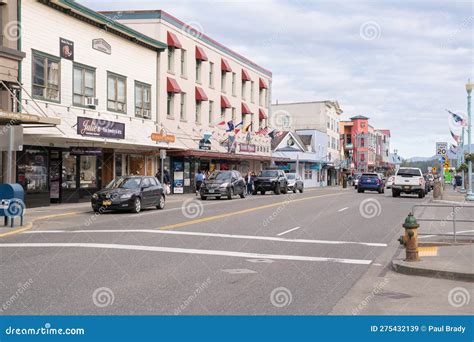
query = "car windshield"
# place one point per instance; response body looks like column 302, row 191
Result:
column 365, row 175
column 290, row 175
column 408, row 173
column 220, row 176
column 268, row 173
column 124, row 183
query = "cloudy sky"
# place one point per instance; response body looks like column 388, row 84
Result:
column 401, row 63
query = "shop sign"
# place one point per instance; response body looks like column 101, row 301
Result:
column 248, row 148
column 66, row 49
column 204, row 144
column 316, row 167
column 100, row 128
column 284, row 167
column 163, row 137
column 85, row 151
column 101, row 45
column 178, row 177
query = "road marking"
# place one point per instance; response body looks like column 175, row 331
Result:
column 230, row 236
column 188, row 251
column 239, row 271
column 288, row 231
column 29, row 225
column 447, row 233
column 244, row 211
column 343, row 209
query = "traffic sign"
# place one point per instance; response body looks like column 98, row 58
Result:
column 441, row 149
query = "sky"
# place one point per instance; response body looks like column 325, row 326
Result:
column 400, row 63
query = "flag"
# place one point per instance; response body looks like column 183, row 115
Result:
column 248, row 127
column 455, row 137
column 457, row 118
column 236, row 131
column 239, row 124
column 230, row 126
column 222, row 123
column 453, row 149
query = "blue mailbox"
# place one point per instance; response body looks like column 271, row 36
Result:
column 12, row 197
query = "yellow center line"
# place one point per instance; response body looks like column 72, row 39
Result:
column 215, row 217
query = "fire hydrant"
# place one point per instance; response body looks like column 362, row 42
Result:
column 410, row 239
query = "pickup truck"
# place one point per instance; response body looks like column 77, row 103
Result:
column 408, row 180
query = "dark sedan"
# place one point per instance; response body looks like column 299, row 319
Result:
column 223, row 183
column 129, row 193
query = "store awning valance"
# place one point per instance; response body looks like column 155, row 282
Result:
column 261, row 114
column 225, row 102
column 200, row 54
column 245, row 75
column 173, row 41
column 225, row 66
column 172, row 86
column 245, row 109
column 200, row 94
column 262, row 84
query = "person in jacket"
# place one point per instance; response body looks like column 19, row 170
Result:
column 199, row 179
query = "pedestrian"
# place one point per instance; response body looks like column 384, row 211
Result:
column 251, row 182
column 199, row 179
column 248, row 182
column 167, row 181
column 453, row 182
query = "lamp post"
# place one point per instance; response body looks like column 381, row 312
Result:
column 469, row 194
column 463, row 187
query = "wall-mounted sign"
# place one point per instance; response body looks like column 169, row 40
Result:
column 66, row 49
column 85, row 151
column 101, row 45
column 163, row 137
column 247, row 148
column 204, row 144
column 100, row 128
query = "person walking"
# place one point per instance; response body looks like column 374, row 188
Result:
column 199, row 179
column 453, row 182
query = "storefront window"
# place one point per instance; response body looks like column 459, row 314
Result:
column 69, row 171
column 33, row 170
column 118, row 165
column 88, row 175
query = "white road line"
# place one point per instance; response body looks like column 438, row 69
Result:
column 343, row 209
column 449, row 233
column 187, row 251
column 230, row 236
column 288, row 231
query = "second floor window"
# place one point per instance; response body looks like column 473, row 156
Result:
column 223, row 79
column 198, row 70
column 116, row 93
column 183, row 62
column 83, row 84
column 142, row 100
column 46, row 76
column 198, row 112
column 211, row 111
column 182, row 107
column 170, row 59
column 252, row 90
column 169, row 104
column 233, row 84
column 260, row 97
column 211, row 75
column 244, row 89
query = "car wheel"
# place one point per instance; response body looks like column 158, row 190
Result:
column 254, row 192
column 380, row 191
column 137, row 205
column 230, row 193
column 242, row 195
column 277, row 190
column 359, row 190
column 395, row 193
column 301, row 190
column 285, row 189
column 96, row 209
column 262, row 192
column 421, row 194
column 294, row 189
column 161, row 203
column 203, row 197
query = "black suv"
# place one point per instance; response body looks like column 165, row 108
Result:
column 223, row 183
column 271, row 180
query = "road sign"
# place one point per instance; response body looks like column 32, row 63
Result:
column 447, row 165
column 433, row 170
column 441, row 149
column 163, row 154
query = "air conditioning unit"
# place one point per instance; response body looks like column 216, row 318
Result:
column 91, row 101
column 147, row 114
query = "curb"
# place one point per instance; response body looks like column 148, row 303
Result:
column 401, row 266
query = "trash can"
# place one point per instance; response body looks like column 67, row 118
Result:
column 12, row 202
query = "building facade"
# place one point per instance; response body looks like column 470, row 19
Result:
column 215, row 101
column 323, row 116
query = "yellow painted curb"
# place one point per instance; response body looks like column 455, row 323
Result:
column 29, row 225
column 215, row 217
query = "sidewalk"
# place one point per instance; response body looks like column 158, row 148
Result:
column 449, row 195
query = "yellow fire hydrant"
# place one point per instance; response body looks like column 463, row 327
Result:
column 410, row 239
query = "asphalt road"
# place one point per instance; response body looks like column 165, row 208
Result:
column 286, row 254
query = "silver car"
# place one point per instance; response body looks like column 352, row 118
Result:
column 295, row 182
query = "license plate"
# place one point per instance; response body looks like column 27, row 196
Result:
column 406, row 187
column 107, row 203
column 211, row 191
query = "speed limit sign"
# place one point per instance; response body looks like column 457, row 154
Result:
column 441, row 149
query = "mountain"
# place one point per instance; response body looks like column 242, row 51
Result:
column 419, row 159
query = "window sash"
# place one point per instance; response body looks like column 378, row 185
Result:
column 142, row 101
column 46, row 77
column 116, row 93
column 182, row 109
column 198, row 112
column 170, row 59
column 211, row 74
column 83, row 84
column 183, row 62
column 169, row 104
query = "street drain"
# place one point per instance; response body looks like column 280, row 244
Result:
column 239, row 271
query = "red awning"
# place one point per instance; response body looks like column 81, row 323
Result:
column 245, row 109
column 172, row 86
column 200, row 94
column 263, row 84
column 224, row 102
column 200, row 54
column 173, row 41
column 245, row 75
column 225, row 66
column 261, row 114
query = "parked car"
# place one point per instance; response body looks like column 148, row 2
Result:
column 295, row 182
column 129, row 193
column 371, row 181
column 356, row 179
column 271, row 180
column 389, row 182
column 408, row 180
column 431, row 179
column 223, row 183
column 427, row 184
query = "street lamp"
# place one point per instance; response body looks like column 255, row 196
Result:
column 469, row 194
